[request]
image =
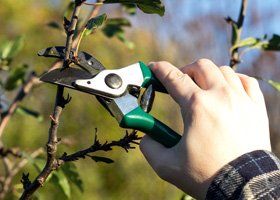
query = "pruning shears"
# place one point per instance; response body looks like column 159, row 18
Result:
column 117, row 90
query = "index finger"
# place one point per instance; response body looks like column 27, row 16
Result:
column 179, row 85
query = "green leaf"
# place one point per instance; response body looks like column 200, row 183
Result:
column 69, row 9
column 26, row 111
column 59, row 179
column 128, row 43
column 115, row 28
column 101, row 159
column 147, row 6
column 10, row 49
column 16, row 77
column 118, row 22
column 16, row 47
column 250, row 41
column 94, row 23
column 5, row 49
column 4, row 64
column 54, row 25
column 129, row 8
column 273, row 44
column 157, row 7
column 274, row 84
column 71, row 171
column 38, row 163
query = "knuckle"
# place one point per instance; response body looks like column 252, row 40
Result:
column 162, row 63
column 253, row 82
column 204, row 62
column 226, row 68
column 197, row 100
column 225, row 90
column 174, row 75
column 158, row 66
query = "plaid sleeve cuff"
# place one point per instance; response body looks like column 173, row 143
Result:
column 255, row 175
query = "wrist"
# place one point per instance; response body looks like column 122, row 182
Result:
column 230, row 181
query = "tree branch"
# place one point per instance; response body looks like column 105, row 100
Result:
column 60, row 102
column 234, row 57
column 124, row 143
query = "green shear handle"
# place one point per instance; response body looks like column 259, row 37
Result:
column 142, row 121
column 151, row 79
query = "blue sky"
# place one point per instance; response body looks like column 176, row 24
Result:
column 181, row 12
column 262, row 18
column 224, row 8
column 187, row 10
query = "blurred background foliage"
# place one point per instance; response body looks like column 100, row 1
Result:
column 188, row 31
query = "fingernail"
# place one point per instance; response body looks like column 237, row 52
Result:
column 151, row 64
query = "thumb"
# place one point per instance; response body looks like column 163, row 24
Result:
column 153, row 151
column 150, row 148
column 161, row 159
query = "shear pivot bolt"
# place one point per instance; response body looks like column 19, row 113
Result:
column 113, row 81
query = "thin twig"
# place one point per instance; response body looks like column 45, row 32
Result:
column 23, row 162
column 60, row 102
column 93, row 4
column 5, row 183
column 25, row 89
column 31, row 82
column 93, row 13
column 125, row 143
column 15, row 152
column 13, row 170
column 70, row 33
column 234, row 57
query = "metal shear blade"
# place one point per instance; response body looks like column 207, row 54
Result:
column 65, row 77
column 83, row 59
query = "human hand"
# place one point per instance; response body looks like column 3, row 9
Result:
column 224, row 117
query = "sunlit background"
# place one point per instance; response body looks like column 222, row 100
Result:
column 189, row 30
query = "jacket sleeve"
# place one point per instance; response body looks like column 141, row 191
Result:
column 255, row 175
